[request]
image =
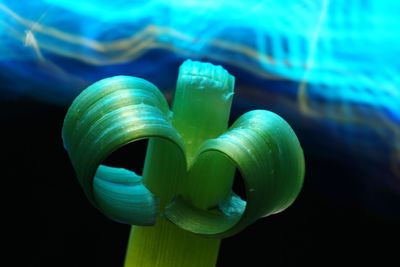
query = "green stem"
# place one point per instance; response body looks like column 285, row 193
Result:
column 201, row 110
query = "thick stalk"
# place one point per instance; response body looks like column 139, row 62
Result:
column 201, row 111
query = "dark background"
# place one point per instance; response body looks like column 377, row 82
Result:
column 329, row 224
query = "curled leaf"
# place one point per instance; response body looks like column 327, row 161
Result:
column 106, row 116
column 266, row 151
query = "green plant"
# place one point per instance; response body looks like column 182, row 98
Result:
column 183, row 204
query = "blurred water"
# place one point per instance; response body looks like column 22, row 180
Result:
column 331, row 67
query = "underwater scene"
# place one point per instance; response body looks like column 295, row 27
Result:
column 331, row 69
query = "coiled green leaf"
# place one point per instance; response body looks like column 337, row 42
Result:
column 266, row 151
column 106, row 116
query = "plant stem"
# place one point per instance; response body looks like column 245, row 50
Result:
column 201, row 110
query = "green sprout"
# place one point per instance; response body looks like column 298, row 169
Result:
column 183, row 204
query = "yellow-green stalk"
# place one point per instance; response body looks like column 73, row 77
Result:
column 201, row 110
